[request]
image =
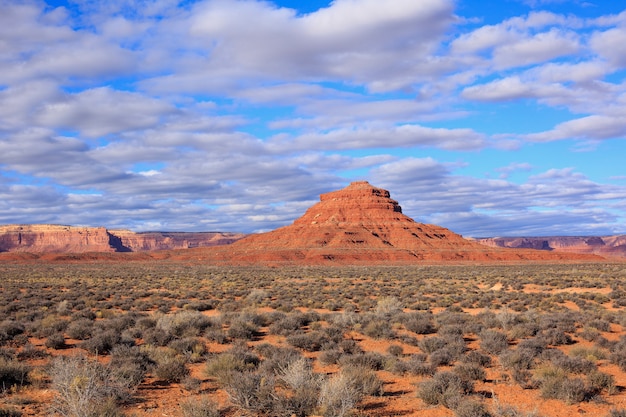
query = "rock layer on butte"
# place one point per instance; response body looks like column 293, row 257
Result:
column 361, row 224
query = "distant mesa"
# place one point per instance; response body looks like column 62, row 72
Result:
column 44, row 238
column 607, row 246
column 358, row 225
column 361, row 224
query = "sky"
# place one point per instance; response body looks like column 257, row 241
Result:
column 498, row 118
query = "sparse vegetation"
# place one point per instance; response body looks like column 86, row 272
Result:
column 97, row 335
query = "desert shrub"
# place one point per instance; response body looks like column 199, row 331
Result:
column 12, row 328
column 185, row 323
column 471, row 408
column 101, row 343
column 519, row 359
column 350, row 347
column 251, row 392
column 441, row 357
column 225, row 364
column 192, row 348
column 420, row 323
column 477, row 358
column 242, row 329
column 128, row 367
column 592, row 353
column 199, row 407
column 395, row 350
column 575, row 365
column 556, row 337
column 311, row 342
column 388, row 306
column 371, row 360
column 83, row 387
column 329, row 357
column 589, row 334
column 276, row 357
column 338, row 396
column 203, row 305
column 535, row 344
column 379, row 329
column 289, row 324
column 12, row 373
column 48, row 325
column 493, row 341
column 600, row 324
column 9, row 412
column 431, row 344
column 598, row 382
column 501, row 410
column 617, row 412
column 55, row 341
column 80, row 329
column 417, row 365
column 304, row 385
column 570, row 390
column 169, row 365
column 444, row 388
column 470, row 371
column 30, row 351
column 364, row 379
column 216, row 335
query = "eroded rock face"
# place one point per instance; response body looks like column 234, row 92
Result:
column 150, row 241
column 362, row 224
column 614, row 246
column 53, row 238
column 73, row 239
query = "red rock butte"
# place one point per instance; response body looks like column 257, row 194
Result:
column 361, row 224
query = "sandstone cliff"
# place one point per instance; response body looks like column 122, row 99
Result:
column 612, row 246
column 362, row 224
column 41, row 238
column 53, row 238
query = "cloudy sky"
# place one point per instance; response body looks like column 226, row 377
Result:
column 502, row 118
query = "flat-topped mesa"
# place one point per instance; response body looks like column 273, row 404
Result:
column 359, row 203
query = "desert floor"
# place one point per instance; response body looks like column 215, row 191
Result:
column 181, row 339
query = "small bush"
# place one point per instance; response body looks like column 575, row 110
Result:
column 101, row 343
column 199, row 407
column 493, row 341
column 470, row 371
column 55, row 341
column 471, row 408
column 82, row 386
column 561, row 387
column 311, row 342
column 12, row 373
column 444, row 388
column 338, row 396
column 170, row 367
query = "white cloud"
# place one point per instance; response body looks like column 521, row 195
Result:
column 103, row 111
column 538, row 48
column 594, row 127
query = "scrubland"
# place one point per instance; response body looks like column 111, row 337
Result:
column 180, row 339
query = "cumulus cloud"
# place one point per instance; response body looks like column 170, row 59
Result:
column 596, row 127
column 236, row 115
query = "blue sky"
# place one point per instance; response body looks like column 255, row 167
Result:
column 489, row 118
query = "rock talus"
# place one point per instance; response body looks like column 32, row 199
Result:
column 362, row 224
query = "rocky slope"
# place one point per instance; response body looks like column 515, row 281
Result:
column 40, row 238
column 362, row 224
column 609, row 246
